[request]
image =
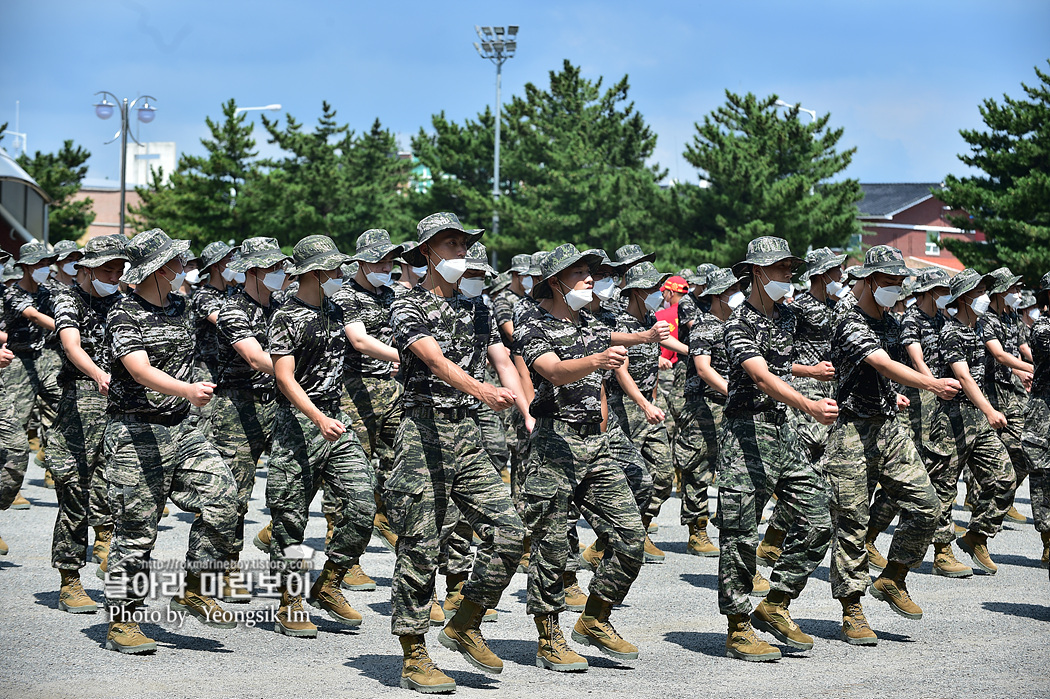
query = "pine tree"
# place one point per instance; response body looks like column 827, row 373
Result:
column 769, row 174
column 1010, row 200
column 60, row 175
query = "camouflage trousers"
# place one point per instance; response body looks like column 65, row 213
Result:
column 240, row 427
column 373, row 405
column 759, row 456
column 145, row 465
column 519, row 456
column 1013, row 403
column 574, row 463
column 695, row 452
column 32, row 385
column 653, row 443
column 442, row 476
column 861, row 453
column 667, row 397
column 494, row 437
column 300, row 459
column 74, row 457
column 961, row 437
column 14, row 448
column 1036, row 443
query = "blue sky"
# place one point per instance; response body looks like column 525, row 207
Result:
column 900, row 77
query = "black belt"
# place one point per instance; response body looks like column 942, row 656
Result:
column 583, row 429
column 143, row 418
column 260, row 396
column 460, row 413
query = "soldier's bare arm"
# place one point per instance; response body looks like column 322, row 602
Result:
column 564, row 371
column 508, row 376
column 70, row 339
column 368, row 345
column 37, row 318
column 711, row 377
column 658, row 333
column 525, row 379
column 962, row 372
column 914, row 351
column 995, row 348
column 821, row 371
column 284, row 370
column 137, row 364
column 825, row 411
column 945, row 389
column 653, row 414
column 252, row 352
column 428, row 350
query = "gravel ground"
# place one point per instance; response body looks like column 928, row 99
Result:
column 982, row 636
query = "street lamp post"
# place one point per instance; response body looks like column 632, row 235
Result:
column 146, row 114
column 267, row 108
column 497, row 45
column 812, row 112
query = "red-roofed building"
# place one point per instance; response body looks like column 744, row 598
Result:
column 910, row 218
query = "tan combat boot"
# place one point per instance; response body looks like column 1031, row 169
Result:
column 945, row 563
column 759, row 586
column 976, row 546
column 71, row 596
column 959, row 531
column 523, row 564
column 165, row 512
column 437, row 614
column 125, row 636
column 264, row 538
column 743, row 644
column 454, row 596
column 593, row 628
column 652, row 554
column 553, row 652
column 575, row 597
column 891, row 588
column 592, row 555
column 772, row 616
column 419, row 672
column 463, row 634
column 1014, row 516
column 103, row 569
column 49, row 480
column 205, row 609
column 855, row 628
column 330, row 523
column 699, row 542
column 233, row 590
column 770, row 548
column 103, row 542
column 381, row 528
column 293, row 619
column 327, row 594
column 3, row 547
column 358, row 580
column 1045, row 560
column 875, row 559
column 20, row 502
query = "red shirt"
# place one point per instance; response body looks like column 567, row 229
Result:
column 670, row 314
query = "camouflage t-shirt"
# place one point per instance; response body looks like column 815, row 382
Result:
column 503, row 308
column 862, row 391
column 608, row 314
column 1004, row 329
column 316, row 337
column 579, row 402
column 77, row 309
column 688, row 312
column 206, row 301
column 242, row 318
column 961, row 343
column 463, row 330
column 643, row 360
column 373, row 309
column 524, row 306
column 1039, row 341
column 23, row 335
column 706, row 340
column 167, row 336
column 813, row 340
column 923, row 330
column 749, row 333
column 842, row 307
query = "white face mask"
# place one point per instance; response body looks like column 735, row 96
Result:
column 1013, row 300
column 238, row 277
column 910, row 302
column 331, row 286
column 176, row 283
column 980, row 304
column 942, row 301
column 735, row 300
column 70, row 269
column 274, row 281
column 40, row 275
column 836, row 290
column 419, row 271
column 1034, row 313
column 193, row 276
column 377, row 280
column 952, row 311
column 228, row 274
column 577, row 298
column 776, row 290
column 654, row 300
column 451, row 270
column 472, row 287
column 887, row 296
column 527, row 284
column 104, row 289
column 603, row 288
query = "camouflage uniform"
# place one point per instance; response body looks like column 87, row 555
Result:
column 74, row 454
column 150, row 449
column 1034, row 438
column 206, row 301
column 301, row 457
column 759, row 454
column 869, row 445
column 961, row 436
column 442, row 475
column 812, row 346
column 1003, row 389
column 570, row 460
column 14, row 448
